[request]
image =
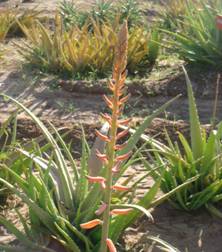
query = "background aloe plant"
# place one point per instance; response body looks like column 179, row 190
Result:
column 196, row 36
column 182, row 161
column 79, row 51
column 8, row 154
column 8, row 21
column 101, row 11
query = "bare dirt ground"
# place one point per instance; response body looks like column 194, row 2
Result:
column 196, row 232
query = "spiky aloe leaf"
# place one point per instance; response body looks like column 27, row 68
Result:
column 195, row 128
column 136, row 136
column 163, row 245
column 68, row 189
column 22, row 238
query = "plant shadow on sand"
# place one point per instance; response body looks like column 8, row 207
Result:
column 191, row 232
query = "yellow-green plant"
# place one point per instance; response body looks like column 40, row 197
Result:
column 81, row 210
column 6, row 20
column 27, row 18
column 81, row 51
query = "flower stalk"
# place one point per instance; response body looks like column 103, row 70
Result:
column 111, row 160
column 115, row 103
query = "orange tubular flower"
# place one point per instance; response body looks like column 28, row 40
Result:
column 111, row 85
column 100, row 180
column 101, row 156
column 124, row 99
column 108, row 102
column 120, row 146
column 124, row 121
column 121, row 211
column 91, row 224
column 107, row 118
column 96, row 179
column 122, row 133
column 120, row 188
column 110, row 245
column 101, row 136
column 124, row 156
column 101, row 209
column 116, row 168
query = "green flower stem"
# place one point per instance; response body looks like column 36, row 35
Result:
column 111, row 160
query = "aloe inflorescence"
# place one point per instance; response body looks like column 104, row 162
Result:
column 111, row 159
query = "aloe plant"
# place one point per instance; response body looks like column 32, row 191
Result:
column 196, row 37
column 79, row 52
column 8, row 153
column 101, row 11
column 81, row 208
column 198, row 157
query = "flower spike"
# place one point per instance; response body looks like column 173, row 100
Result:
column 117, row 87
